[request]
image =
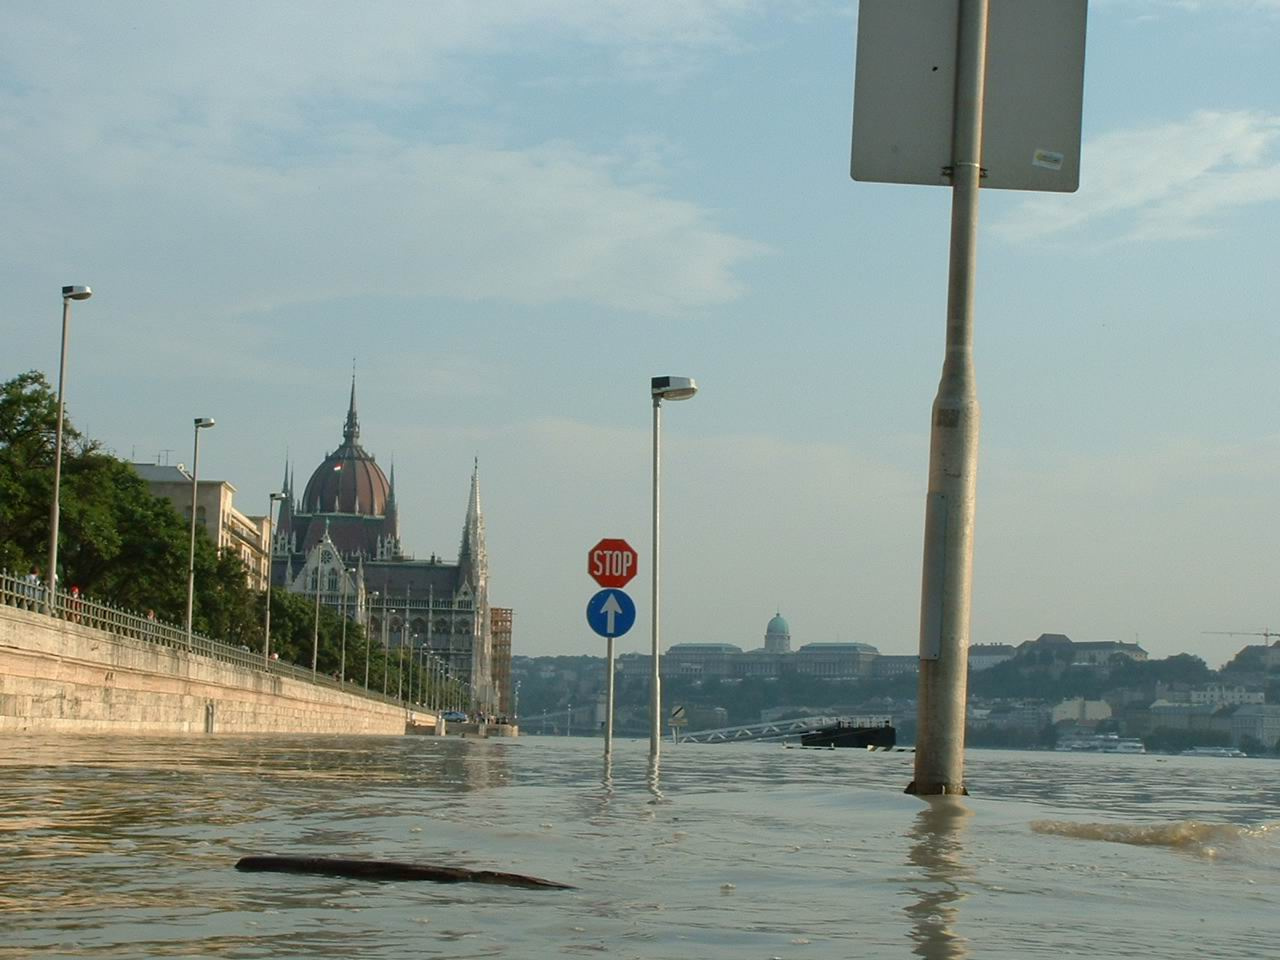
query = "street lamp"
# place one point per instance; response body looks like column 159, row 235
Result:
column 266, row 622
column 315, row 625
column 367, row 639
column 201, row 423
column 661, row 388
column 68, row 294
column 342, row 670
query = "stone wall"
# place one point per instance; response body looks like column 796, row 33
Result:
column 62, row 676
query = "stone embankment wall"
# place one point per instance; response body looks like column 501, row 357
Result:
column 57, row 675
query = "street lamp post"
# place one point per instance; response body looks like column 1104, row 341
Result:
column 266, row 620
column 55, row 509
column 386, row 643
column 368, row 640
column 201, row 423
column 342, row 669
column 661, row 388
column 315, row 627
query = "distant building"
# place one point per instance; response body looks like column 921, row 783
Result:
column 500, row 623
column 1224, row 694
column 1099, row 653
column 777, row 635
column 1261, row 721
column 835, row 661
column 984, row 656
column 1059, row 648
column 341, row 540
column 1082, row 712
column 895, row 665
column 227, row 528
column 700, row 660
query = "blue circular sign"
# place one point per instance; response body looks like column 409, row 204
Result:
column 611, row 613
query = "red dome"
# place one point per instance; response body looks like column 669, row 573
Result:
column 349, row 481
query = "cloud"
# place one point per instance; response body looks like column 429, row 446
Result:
column 297, row 152
column 1161, row 183
column 1152, row 9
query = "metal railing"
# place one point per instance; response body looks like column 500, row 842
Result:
column 30, row 593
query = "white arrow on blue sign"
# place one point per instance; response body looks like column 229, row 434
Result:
column 611, row 613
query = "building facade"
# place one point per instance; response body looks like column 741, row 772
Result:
column 216, row 514
column 500, row 622
column 341, row 541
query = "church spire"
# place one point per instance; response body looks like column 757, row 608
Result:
column 471, row 554
column 351, row 429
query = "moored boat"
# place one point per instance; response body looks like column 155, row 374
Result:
column 850, row 733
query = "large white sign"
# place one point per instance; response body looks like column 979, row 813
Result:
column 904, row 92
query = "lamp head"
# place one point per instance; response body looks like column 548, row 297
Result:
column 76, row 293
column 276, row 497
column 202, row 422
column 672, row 388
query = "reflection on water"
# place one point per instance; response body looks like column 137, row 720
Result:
column 653, row 778
column 936, row 894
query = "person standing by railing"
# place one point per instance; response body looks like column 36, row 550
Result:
column 31, row 589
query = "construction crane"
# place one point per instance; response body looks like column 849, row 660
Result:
column 1266, row 634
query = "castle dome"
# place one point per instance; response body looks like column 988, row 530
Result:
column 777, row 627
column 349, row 480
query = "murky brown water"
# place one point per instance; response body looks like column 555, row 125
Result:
column 125, row 848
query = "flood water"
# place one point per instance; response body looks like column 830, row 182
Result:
column 126, row 848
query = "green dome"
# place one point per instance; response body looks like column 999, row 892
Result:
column 778, row 627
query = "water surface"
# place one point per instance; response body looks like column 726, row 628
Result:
column 125, row 848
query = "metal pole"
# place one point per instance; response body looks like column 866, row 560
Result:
column 55, row 510
column 342, row 670
column 655, row 696
column 608, row 702
column 191, row 556
column 368, row 642
column 315, row 627
column 270, row 552
column 953, row 452
column 386, row 644
column 266, row 620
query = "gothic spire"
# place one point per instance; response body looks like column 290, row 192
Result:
column 351, row 429
column 471, row 554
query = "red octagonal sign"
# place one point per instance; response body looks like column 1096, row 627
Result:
column 612, row 562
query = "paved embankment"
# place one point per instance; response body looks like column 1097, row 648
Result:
column 59, row 675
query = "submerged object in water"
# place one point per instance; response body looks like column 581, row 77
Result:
column 391, row 870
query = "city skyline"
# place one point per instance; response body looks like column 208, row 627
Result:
column 512, row 217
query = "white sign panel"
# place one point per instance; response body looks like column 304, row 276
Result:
column 904, row 92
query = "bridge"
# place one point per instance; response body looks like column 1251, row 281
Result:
column 776, row 730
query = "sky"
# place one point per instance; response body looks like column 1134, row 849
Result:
column 508, row 216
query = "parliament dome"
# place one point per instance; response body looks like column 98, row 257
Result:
column 349, row 480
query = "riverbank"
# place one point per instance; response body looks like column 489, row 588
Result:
column 59, row 676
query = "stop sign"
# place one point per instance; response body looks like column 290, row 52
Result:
column 612, row 562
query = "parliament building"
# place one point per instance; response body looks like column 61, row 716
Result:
column 341, row 540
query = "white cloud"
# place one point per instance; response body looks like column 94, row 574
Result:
column 1165, row 182
column 303, row 152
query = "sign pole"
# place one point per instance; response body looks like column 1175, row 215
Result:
column 608, row 704
column 953, row 451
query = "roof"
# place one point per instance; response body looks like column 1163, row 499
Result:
column 349, row 480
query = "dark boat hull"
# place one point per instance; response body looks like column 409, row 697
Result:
column 848, row 735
